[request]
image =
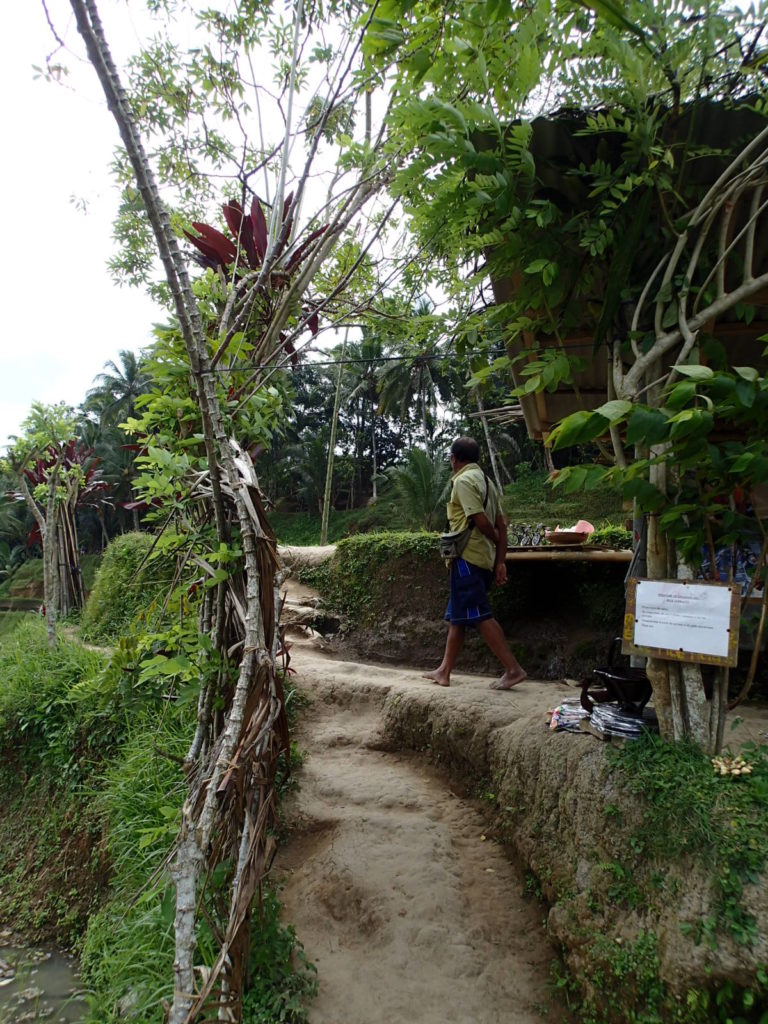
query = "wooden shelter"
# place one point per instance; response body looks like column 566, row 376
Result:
column 559, row 145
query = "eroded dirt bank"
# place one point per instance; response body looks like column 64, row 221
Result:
column 408, row 910
column 411, row 915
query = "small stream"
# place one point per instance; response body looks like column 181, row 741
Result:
column 39, row 985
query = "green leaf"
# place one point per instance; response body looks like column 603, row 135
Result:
column 450, row 114
column 681, row 394
column 615, row 410
column 620, row 265
column 669, row 319
column 695, row 372
column 536, row 266
column 498, row 10
column 217, row 577
column 578, row 428
column 746, row 393
column 612, row 13
column 576, row 479
column 383, row 35
column 647, row 426
column 743, row 463
column 747, row 372
column 691, row 422
column 649, row 497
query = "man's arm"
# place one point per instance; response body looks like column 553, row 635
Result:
column 497, row 535
column 500, row 568
column 484, row 525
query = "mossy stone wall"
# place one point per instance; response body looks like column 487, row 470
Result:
column 391, row 590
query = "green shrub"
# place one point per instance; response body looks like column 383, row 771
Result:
column 38, row 721
column 10, row 620
column 612, row 536
column 692, row 811
column 282, row 979
column 127, row 959
column 89, row 566
column 351, row 582
column 127, row 956
column 125, row 585
column 28, row 577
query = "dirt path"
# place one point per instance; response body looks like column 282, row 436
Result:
column 408, row 911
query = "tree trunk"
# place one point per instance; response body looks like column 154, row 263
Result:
column 256, row 679
column 374, row 489
column 331, row 447
column 425, row 425
column 488, row 441
column 679, row 697
column 48, row 588
column 658, row 569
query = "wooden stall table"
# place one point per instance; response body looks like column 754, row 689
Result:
column 568, row 553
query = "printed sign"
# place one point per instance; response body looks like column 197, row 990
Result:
column 681, row 620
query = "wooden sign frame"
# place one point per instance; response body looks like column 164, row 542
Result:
column 687, row 651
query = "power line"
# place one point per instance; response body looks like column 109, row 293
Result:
column 331, row 362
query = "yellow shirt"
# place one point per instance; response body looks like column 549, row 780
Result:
column 467, row 492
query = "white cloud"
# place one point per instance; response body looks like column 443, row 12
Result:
column 63, row 318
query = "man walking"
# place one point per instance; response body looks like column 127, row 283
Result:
column 475, row 501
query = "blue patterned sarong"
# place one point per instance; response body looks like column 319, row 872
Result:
column 468, row 603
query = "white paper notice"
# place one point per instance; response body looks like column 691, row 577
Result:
column 689, row 617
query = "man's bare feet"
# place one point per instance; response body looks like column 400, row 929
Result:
column 509, row 679
column 439, row 677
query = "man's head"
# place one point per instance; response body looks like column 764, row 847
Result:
column 464, row 450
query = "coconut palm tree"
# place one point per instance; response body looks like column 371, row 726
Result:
column 364, row 359
column 113, row 396
column 421, row 485
column 421, row 378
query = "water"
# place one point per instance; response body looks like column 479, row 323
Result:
column 39, row 985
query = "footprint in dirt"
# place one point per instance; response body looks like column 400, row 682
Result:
column 407, row 910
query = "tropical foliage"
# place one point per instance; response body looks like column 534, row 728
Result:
column 412, row 108
column 618, row 230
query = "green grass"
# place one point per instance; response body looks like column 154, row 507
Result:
column 531, row 499
column 689, row 814
column 128, row 947
column 89, row 565
column 303, row 528
column 10, row 620
column 39, row 720
column 692, row 811
column 90, row 754
column 345, row 582
column 28, row 574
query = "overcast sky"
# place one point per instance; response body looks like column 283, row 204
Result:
column 63, row 318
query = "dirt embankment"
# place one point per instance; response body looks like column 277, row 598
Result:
column 388, row 594
column 406, row 906
column 390, row 876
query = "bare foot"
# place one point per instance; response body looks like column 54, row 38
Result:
column 439, row 677
column 509, row 679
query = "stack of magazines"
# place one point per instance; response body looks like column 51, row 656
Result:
column 610, row 720
column 568, row 716
column 605, row 720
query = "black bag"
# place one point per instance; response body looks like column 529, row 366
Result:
column 452, row 543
